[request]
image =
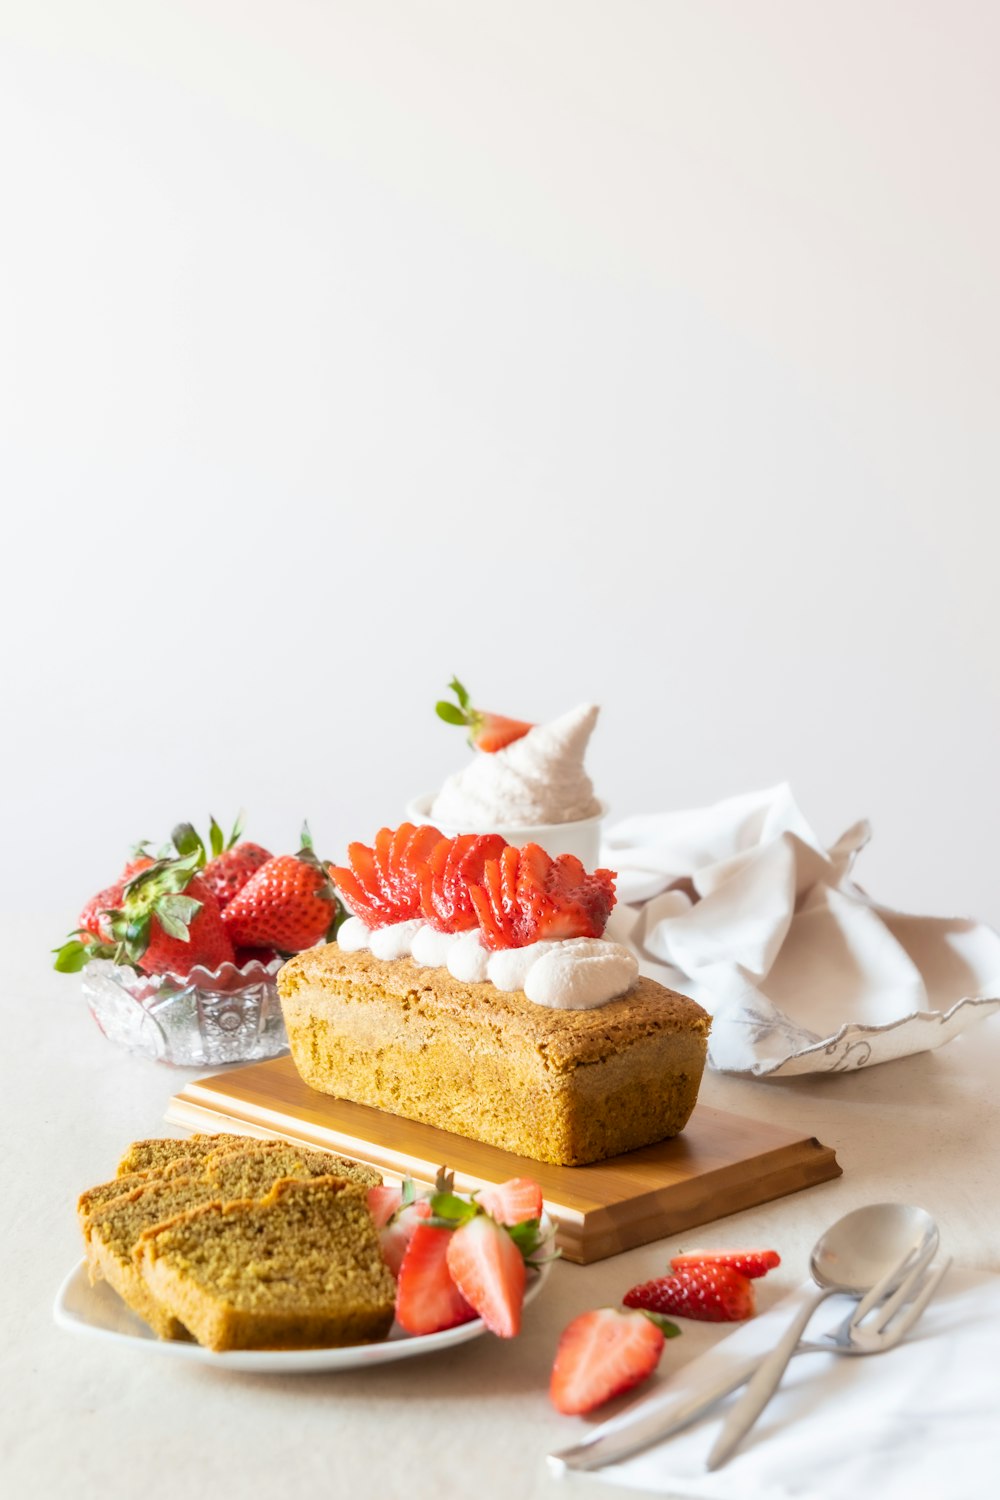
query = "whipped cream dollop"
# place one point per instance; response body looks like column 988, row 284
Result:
column 540, row 778
column 573, row 974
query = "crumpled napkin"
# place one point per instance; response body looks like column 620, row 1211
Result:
column 917, row 1421
column 740, row 906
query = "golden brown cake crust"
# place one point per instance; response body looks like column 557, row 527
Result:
column 569, row 1038
column 562, row 1086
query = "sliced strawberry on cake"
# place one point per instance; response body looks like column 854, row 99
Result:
column 528, row 897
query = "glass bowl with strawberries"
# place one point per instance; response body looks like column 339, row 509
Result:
column 178, row 957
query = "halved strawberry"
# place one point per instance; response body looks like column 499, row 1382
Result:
column 512, row 1202
column 527, row 897
column 395, row 1236
column 600, row 1355
column 383, row 1201
column 752, row 1263
column 488, row 1270
column 427, row 1298
column 487, row 731
column 708, row 1293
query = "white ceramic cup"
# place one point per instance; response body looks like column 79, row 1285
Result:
column 581, row 837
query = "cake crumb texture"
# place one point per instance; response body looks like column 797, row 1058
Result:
column 300, row 1268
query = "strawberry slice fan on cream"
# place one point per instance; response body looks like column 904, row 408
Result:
column 478, row 976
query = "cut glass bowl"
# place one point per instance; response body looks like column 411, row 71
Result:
column 213, row 1016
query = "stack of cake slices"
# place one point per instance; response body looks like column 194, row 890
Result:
column 241, row 1244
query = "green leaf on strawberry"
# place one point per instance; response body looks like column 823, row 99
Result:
column 72, row 956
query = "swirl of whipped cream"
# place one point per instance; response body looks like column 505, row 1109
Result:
column 573, row 974
column 540, row 778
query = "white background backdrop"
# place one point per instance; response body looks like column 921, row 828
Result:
column 630, row 351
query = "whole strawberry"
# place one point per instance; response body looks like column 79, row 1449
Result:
column 231, row 863
column 289, row 904
column 93, row 918
column 167, row 921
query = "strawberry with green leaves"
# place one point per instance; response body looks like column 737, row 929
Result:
column 232, row 861
column 289, row 903
column 487, row 731
column 165, row 921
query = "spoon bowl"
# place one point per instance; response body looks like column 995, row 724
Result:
column 858, row 1250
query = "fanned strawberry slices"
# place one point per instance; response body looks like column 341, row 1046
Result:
column 514, row 896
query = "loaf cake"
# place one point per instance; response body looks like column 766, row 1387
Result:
column 113, row 1215
column 560, row 1086
column 300, row 1268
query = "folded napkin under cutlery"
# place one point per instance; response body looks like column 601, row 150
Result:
column 922, row 1420
column 740, row 906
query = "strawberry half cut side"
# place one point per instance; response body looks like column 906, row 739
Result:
column 488, row 1269
column 603, row 1354
column 427, row 1299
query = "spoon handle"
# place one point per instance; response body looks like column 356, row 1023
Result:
column 763, row 1384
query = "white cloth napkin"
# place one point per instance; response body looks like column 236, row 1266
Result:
column 922, row 1420
column 740, row 906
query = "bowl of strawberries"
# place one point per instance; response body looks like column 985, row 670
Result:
column 178, row 956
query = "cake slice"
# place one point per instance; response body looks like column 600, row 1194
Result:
column 302, row 1268
column 112, row 1222
column 159, row 1153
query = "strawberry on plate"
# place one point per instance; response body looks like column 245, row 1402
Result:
column 488, row 1269
column 397, row 1231
column 604, row 1353
column 516, row 1201
column 288, row 904
column 487, row 731
column 710, row 1293
column 427, row 1299
column 383, row 1201
column 752, row 1263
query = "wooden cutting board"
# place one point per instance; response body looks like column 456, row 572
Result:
column 721, row 1164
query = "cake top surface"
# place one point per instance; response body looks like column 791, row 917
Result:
column 568, row 1038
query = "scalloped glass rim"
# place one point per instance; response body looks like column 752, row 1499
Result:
column 210, row 1018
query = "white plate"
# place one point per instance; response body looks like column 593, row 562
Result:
column 100, row 1313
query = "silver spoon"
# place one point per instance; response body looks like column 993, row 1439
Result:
column 867, row 1254
column 855, row 1256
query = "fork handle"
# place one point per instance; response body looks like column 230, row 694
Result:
column 763, row 1384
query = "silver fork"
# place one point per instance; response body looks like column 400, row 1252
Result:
column 662, row 1416
column 891, row 1318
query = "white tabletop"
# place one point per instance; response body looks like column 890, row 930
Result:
column 76, row 1417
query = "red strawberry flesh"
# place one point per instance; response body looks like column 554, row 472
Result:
column 427, row 1299
column 602, row 1354
column 488, row 1269
column 512, row 1202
